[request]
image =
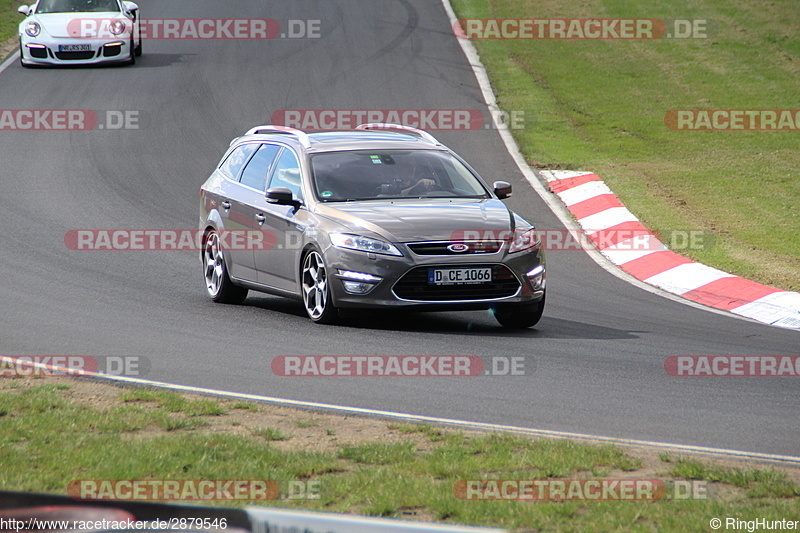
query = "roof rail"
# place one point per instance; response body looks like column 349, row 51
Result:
column 285, row 130
column 400, row 129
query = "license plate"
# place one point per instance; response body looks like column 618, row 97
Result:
column 459, row 276
column 74, row 47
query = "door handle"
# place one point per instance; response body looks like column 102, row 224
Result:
column 261, row 218
column 225, row 204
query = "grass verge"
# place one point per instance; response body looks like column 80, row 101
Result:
column 56, row 431
column 600, row 105
column 9, row 20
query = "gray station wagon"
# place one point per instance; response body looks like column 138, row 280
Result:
column 383, row 216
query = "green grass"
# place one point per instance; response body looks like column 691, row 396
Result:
column 48, row 440
column 10, row 19
column 270, row 434
column 600, row 106
column 174, row 402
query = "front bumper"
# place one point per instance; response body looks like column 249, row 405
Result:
column 50, row 51
column 398, row 275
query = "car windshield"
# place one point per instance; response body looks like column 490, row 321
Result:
column 76, row 6
column 382, row 174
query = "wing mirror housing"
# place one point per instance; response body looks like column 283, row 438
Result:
column 131, row 7
column 25, row 10
column 282, row 196
column 502, row 189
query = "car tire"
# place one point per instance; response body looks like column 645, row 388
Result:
column 519, row 316
column 132, row 60
column 138, row 50
column 315, row 286
column 215, row 273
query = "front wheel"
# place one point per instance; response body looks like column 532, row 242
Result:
column 519, row 316
column 218, row 283
column 316, row 290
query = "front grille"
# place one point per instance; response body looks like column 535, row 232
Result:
column 414, row 285
column 440, row 248
column 74, row 55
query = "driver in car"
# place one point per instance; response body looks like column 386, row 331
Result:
column 413, row 184
column 410, row 186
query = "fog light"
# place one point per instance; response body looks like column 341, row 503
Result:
column 357, row 282
column 537, row 278
column 357, row 287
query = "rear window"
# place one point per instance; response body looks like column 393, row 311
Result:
column 235, row 161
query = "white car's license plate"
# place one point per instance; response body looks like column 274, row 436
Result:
column 74, row 48
column 459, row 276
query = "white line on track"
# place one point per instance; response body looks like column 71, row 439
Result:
column 10, row 59
column 450, row 421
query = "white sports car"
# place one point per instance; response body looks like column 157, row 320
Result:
column 69, row 32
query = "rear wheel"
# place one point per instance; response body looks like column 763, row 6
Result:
column 519, row 316
column 218, row 283
column 316, row 290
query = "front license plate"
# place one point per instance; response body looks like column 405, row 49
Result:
column 74, row 48
column 459, row 276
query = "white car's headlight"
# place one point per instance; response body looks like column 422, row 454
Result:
column 363, row 244
column 117, row 27
column 32, row 28
column 524, row 239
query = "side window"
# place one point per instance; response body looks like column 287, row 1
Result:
column 287, row 174
column 256, row 171
column 236, row 160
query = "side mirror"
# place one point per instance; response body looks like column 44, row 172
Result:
column 502, row 189
column 131, row 7
column 282, row 196
column 25, row 10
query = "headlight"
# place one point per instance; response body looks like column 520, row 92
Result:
column 32, row 28
column 117, row 27
column 524, row 239
column 363, row 244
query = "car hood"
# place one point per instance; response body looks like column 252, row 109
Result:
column 77, row 25
column 431, row 219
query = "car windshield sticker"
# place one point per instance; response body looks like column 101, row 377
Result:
column 326, row 194
column 376, row 159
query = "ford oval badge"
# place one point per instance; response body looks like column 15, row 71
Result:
column 458, row 248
